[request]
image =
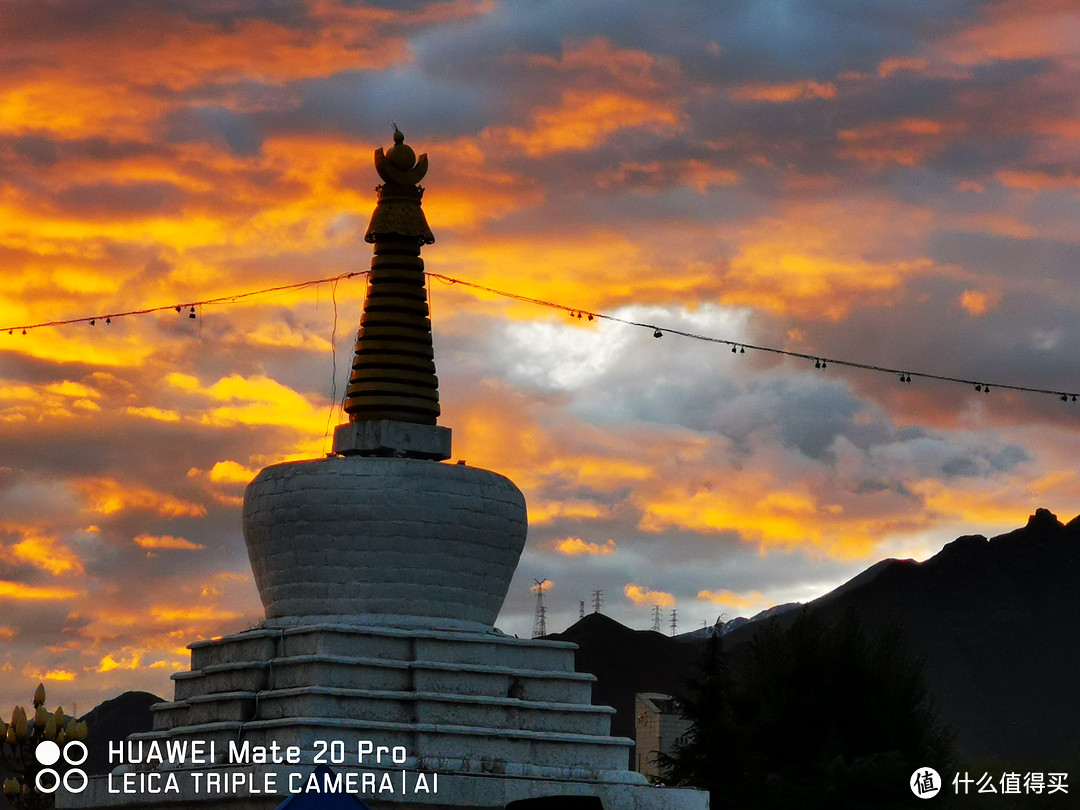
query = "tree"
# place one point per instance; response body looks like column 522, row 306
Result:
column 19, row 740
column 701, row 756
column 816, row 715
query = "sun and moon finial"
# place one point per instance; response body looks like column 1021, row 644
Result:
column 400, row 165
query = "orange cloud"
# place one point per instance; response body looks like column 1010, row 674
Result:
column 808, row 512
column 1018, row 30
column 230, row 472
column 887, row 67
column 45, row 553
column 47, row 675
column 22, row 592
column 1038, row 181
column 261, row 401
column 575, row 546
column 907, row 141
column 803, row 90
column 809, row 260
column 775, row 278
column 630, row 68
column 168, row 615
column 167, row 542
column 1002, row 505
column 977, row 303
column 108, row 663
column 150, row 412
column 108, row 496
column 642, row 596
column 656, row 176
column 727, row 598
column 585, row 120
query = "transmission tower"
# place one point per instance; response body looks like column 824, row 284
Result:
column 540, row 619
column 581, row 609
column 674, row 620
column 656, row 618
column 597, row 600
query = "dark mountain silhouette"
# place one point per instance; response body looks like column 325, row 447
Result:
column 114, row 720
column 998, row 622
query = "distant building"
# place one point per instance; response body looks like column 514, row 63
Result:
column 658, row 724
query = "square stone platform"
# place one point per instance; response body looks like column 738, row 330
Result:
column 495, row 717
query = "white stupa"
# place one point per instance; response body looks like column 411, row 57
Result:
column 382, row 570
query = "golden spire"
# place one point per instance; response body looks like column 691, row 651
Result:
column 393, row 372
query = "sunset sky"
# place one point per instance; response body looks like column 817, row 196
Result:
column 892, row 183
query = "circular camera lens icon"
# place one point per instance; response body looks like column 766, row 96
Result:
column 47, row 753
column 48, row 779
column 925, row 783
column 75, row 753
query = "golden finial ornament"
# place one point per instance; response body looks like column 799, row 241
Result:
column 398, row 212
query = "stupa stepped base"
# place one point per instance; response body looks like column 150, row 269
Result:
column 460, row 701
column 497, row 718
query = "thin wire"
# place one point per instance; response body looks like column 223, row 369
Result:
column 333, row 359
column 224, row 299
column 658, row 331
column 740, row 345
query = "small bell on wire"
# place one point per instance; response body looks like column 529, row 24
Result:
column 978, row 387
column 742, row 350
column 192, row 313
column 108, row 321
column 92, row 321
column 733, row 349
column 657, row 333
column 179, row 308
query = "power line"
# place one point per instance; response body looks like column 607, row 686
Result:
column 820, row 361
